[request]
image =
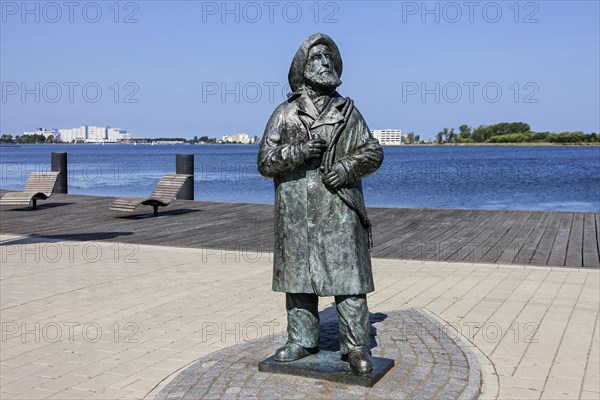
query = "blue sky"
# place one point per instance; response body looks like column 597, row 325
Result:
column 185, row 68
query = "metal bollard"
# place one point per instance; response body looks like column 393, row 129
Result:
column 59, row 164
column 184, row 164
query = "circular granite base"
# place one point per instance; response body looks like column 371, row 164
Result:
column 430, row 362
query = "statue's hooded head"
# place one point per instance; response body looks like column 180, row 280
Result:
column 320, row 74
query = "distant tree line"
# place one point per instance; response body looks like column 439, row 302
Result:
column 411, row 138
column 203, row 139
column 27, row 139
column 510, row 132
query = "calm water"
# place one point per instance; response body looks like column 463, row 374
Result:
column 520, row 178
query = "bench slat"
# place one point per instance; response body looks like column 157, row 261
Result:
column 42, row 182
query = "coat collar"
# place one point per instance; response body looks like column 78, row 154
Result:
column 331, row 115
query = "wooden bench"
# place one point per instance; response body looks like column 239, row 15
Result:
column 164, row 193
column 40, row 186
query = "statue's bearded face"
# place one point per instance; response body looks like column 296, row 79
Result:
column 319, row 71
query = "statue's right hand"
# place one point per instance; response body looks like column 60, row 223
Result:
column 313, row 148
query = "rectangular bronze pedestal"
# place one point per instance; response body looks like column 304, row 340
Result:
column 327, row 365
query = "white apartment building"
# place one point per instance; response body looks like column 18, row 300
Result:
column 97, row 134
column 117, row 134
column 72, row 134
column 237, row 138
column 389, row 137
column 93, row 134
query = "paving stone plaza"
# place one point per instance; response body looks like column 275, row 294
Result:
column 102, row 320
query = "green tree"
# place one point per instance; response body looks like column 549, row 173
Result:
column 410, row 137
column 479, row 134
column 482, row 133
column 465, row 132
column 567, row 137
column 28, row 139
column 439, row 138
column 539, row 136
column 516, row 127
column 451, row 137
column 6, row 139
column 511, row 138
column 418, row 139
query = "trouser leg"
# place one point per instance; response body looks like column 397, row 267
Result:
column 354, row 322
column 303, row 319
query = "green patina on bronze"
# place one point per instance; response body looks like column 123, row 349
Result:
column 317, row 148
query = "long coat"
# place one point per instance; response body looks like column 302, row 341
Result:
column 320, row 245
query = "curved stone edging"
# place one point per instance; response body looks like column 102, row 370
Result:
column 474, row 387
column 431, row 362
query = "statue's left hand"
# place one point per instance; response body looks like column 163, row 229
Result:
column 336, row 177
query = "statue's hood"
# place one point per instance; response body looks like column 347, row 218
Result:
column 296, row 74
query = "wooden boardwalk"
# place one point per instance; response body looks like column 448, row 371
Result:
column 504, row 237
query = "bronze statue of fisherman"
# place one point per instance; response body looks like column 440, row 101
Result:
column 317, row 148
